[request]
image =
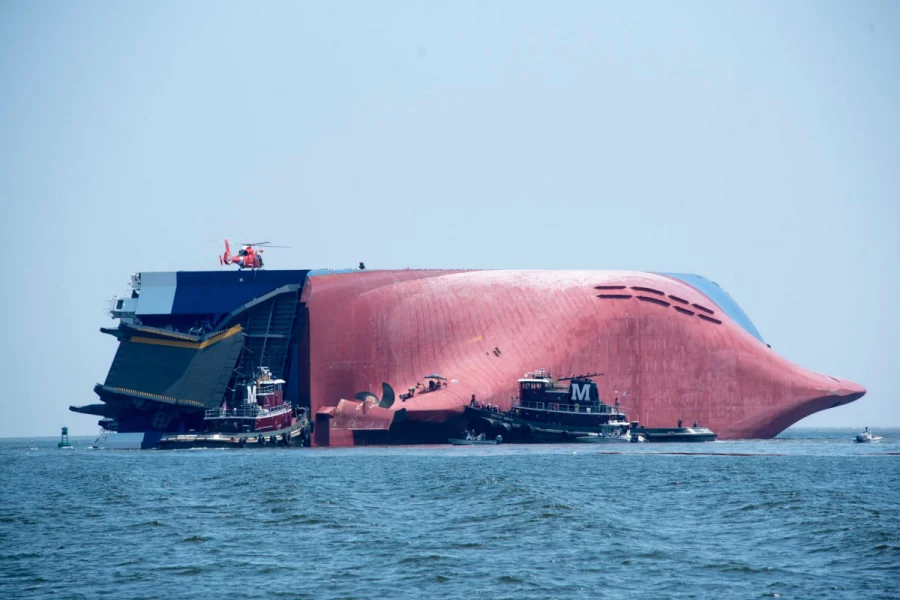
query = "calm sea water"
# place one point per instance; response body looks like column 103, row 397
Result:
column 808, row 515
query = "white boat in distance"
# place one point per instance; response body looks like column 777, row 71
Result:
column 866, row 437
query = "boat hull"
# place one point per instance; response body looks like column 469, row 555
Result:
column 296, row 434
column 596, row 439
column 674, row 349
column 671, row 347
column 677, row 435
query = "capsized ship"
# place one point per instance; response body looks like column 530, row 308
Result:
column 344, row 341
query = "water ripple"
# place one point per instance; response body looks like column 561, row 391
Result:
column 812, row 517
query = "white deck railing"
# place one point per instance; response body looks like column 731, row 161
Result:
column 246, row 412
column 596, row 408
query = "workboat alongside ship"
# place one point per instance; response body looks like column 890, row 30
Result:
column 342, row 341
column 568, row 409
column 545, row 411
column 262, row 418
column 676, row 434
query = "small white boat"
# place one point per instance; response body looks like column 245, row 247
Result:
column 611, row 438
column 617, row 432
column 462, row 442
column 476, row 440
column 866, row 437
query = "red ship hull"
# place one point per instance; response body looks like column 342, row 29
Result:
column 670, row 346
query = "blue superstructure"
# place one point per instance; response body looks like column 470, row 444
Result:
column 207, row 292
column 712, row 290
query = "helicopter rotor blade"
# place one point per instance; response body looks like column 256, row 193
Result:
column 266, row 244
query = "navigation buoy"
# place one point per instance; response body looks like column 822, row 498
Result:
column 64, row 439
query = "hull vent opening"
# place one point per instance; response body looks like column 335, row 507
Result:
column 614, row 296
column 653, row 300
column 609, row 287
column 703, row 308
column 710, row 319
column 677, row 299
column 684, row 311
column 646, row 289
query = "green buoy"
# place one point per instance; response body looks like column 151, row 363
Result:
column 64, row 439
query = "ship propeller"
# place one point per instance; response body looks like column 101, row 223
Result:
column 387, row 396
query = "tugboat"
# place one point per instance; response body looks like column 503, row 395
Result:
column 866, row 437
column 263, row 418
column 547, row 411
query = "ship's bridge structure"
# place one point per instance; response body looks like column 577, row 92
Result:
column 354, row 346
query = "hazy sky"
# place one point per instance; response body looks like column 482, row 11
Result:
column 755, row 143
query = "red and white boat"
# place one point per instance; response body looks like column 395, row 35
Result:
column 263, row 408
column 263, row 418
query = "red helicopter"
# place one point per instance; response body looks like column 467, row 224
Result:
column 247, row 257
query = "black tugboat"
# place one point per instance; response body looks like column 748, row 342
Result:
column 550, row 411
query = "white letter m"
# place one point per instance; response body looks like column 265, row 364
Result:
column 581, row 392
